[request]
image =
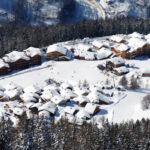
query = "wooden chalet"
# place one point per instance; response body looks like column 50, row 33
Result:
column 138, row 47
column 117, row 39
column 92, row 109
column 115, row 63
column 58, row 53
column 17, row 60
column 82, row 100
column 34, row 54
column 120, row 49
column 4, row 67
column 98, row 44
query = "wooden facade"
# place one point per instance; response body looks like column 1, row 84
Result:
column 4, row 70
column 19, row 64
column 119, row 73
column 111, row 65
column 54, row 55
column 146, row 75
column 36, row 60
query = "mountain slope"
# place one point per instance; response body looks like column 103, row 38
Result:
column 52, row 11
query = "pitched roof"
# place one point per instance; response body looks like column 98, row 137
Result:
column 32, row 51
column 15, row 56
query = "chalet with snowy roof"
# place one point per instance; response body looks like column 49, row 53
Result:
column 33, row 89
column 29, row 97
column 3, row 97
column 17, row 60
column 117, row 39
column 57, row 52
column 146, row 73
column 84, row 91
column 137, row 47
column 99, row 44
column 82, row 100
column 120, row 49
column 115, row 63
column 13, row 94
column 136, row 35
column 34, row 54
column 83, row 114
column 59, row 100
column 4, row 67
column 92, row 109
column 121, row 71
column 49, row 106
column 98, row 98
column 70, row 110
column 104, row 53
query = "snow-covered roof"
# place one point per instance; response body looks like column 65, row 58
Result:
column 15, row 56
column 98, row 44
column 12, row 93
column 49, row 106
column 26, row 97
column 83, row 114
column 122, row 47
column 116, row 38
column 57, row 48
column 3, row 64
column 58, row 100
column 66, row 85
column 122, row 69
column 90, row 108
column 50, row 87
column 67, row 93
column 103, row 53
column 32, row 89
column 96, row 97
column 70, row 110
column 13, row 86
column 32, row 51
column 136, row 35
column 82, row 99
column 84, row 47
column 136, row 43
column 3, row 95
column 117, row 60
column 81, row 90
column 46, row 95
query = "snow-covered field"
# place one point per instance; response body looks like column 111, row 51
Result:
column 122, row 106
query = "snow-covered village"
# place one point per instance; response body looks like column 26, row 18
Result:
column 74, row 75
column 80, row 80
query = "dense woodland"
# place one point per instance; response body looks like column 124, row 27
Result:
column 39, row 134
column 19, row 37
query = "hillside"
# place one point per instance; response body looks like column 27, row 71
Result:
column 51, row 12
column 82, row 88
